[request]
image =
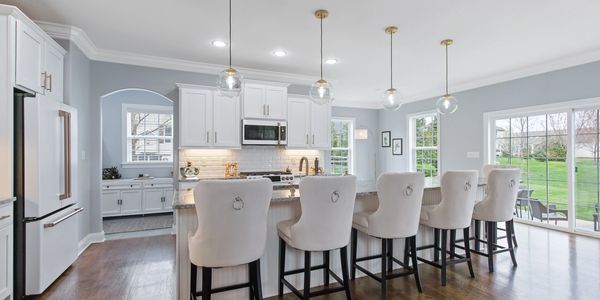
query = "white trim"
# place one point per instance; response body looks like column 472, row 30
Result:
column 128, row 107
column 411, row 138
column 150, row 164
column 91, row 238
column 351, row 143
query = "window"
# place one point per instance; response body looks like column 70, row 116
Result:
column 148, row 134
column 342, row 146
column 424, row 144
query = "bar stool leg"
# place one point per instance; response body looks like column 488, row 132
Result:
column 444, row 249
column 258, row 282
column 390, row 262
column 436, row 244
column 354, row 238
column 468, row 252
column 383, row 269
column 206, row 283
column 512, row 233
column 306, row 275
column 193, row 281
column 510, row 228
column 326, row 268
column 490, row 245
column 252, row 279
column 281, row 265
column 345, row 277
column 452, row 242
column 413, row 253
column 406, row 250
column 477, row 234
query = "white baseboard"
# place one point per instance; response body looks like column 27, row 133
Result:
column 94, row 237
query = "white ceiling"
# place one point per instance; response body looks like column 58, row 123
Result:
column 494, row 40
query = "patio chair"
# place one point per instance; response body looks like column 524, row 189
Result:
column 596, row 227
column 550, row 213
column 523, row 197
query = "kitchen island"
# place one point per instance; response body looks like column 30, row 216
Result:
column 284, row 205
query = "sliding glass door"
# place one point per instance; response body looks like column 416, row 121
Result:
column 587, row 169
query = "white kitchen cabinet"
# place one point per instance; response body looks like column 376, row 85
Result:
column 111, row 202
column 6, row 251
column 207, row 119
column 54, row 62
column 308, row 124
column 131, row 202
column 29, row 58
column 153, row 200
column 263, row 100
column 133, row 197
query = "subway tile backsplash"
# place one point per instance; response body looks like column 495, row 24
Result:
column 211, row 162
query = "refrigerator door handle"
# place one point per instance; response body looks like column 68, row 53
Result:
column 67, row 153
column 54, row 223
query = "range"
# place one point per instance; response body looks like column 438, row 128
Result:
column 275, row 176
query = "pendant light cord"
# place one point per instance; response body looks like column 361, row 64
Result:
column 391, row 61
column 321, row 47
column 446, row 69
column 230, row 34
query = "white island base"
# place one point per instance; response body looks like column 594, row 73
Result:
column 280, row 210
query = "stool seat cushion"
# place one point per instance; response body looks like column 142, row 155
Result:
column 360, row 221
column 500, row 198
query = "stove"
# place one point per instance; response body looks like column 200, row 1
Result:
column 275, row 176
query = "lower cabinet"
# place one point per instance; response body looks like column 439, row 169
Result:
column 157, row 200
column 6, row 252
column 125, row 199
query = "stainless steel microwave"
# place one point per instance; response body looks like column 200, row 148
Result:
column 264, row 132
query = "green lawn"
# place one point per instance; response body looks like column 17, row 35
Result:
column 556, row 190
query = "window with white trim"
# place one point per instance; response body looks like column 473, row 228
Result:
column 425, row 144
column 342, row 146
column 148, row 134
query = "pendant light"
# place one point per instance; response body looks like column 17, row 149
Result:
column 447, row 104
column 391, row 97
column 321, row 91
column 229, row 82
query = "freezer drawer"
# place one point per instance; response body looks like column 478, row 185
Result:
column 52, row 245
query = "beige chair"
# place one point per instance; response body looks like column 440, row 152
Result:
column 232, row 231
column 459, row 191
column 327, row 204
column 397, row 217
column 497, row 206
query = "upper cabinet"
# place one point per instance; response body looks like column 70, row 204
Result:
column 207, row 119
column 308, row 124
column 263, row 100
column 39, row 62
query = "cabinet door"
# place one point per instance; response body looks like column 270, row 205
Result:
column 276, row 102
column 253, row 99
column 6, row 261
column 54, row 69
column 320, row 124
column 153, row 200
column 168, row 199
column 298, row 123
column 195, row 118
column 110, row 203
column 226, row 121
column 29, row 58
column 131, row 202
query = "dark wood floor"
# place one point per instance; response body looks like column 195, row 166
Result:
column 552, row 265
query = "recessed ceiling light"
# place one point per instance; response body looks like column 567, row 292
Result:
column 279, row 53
column 219, row 44
column 331, row 61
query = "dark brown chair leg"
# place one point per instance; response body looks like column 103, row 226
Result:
column 252, row 277
column 444, row 249
column 383, row 269
column 281, row 266
column 406, row 250
column 510, row 228
column 326, row 269
column 345, row 277
column 452, row 242
column 477, row 234
column 354, row 246
column 390, row 251
column 436, row 244
column 415, row 267
column 193, row 281
column 206, row 283
column 490, row 245
column 306, row 275
column 468, row 252
column 514, row 236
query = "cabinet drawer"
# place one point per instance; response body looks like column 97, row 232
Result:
column 122, row 186
column 6, row 215
column 158, row 185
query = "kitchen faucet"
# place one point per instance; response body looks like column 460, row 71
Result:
column 304, row 159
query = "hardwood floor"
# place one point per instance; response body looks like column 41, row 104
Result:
column 552, row 265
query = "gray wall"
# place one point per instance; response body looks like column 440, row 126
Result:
column 462, row 131
column 77, row 94
column 112, row 130
column 365, row 156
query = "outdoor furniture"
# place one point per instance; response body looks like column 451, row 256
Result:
column 550, row 213
column 596, row 227
column 523, row 197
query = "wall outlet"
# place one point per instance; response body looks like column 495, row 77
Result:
column 472, row 154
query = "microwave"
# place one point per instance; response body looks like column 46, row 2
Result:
column 264, row 132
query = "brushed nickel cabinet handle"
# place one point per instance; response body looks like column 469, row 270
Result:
column 207, row 137
column 313, row 139
column 50, row 77
column 268, row 109
column 44, row 80
column 67, row 153
column 264, row 109
column 215, row 137
column 307, row 138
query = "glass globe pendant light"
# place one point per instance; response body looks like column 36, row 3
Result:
column 446, row 104
column 321, row 91
column 229, row 82
column 391, row 97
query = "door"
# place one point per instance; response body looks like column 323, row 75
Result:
column 587, row 170
column 168, row 199
column 153, row 200
column 195, row 118
column 276, row 103
column 131, row 202
column 111, row 203
column 298, row 123
column 6, row 261
column 254, row 102
column 54, row 69
column 29, row 58
column 226, row 121
column 320, row 116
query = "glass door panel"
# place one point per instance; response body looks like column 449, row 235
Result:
column 587, row 170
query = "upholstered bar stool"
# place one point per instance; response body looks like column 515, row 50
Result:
column 397, row 217
column 497, row 206
column 485, row 171
column 232, row 231
column 327, row 204
column 459, row 191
